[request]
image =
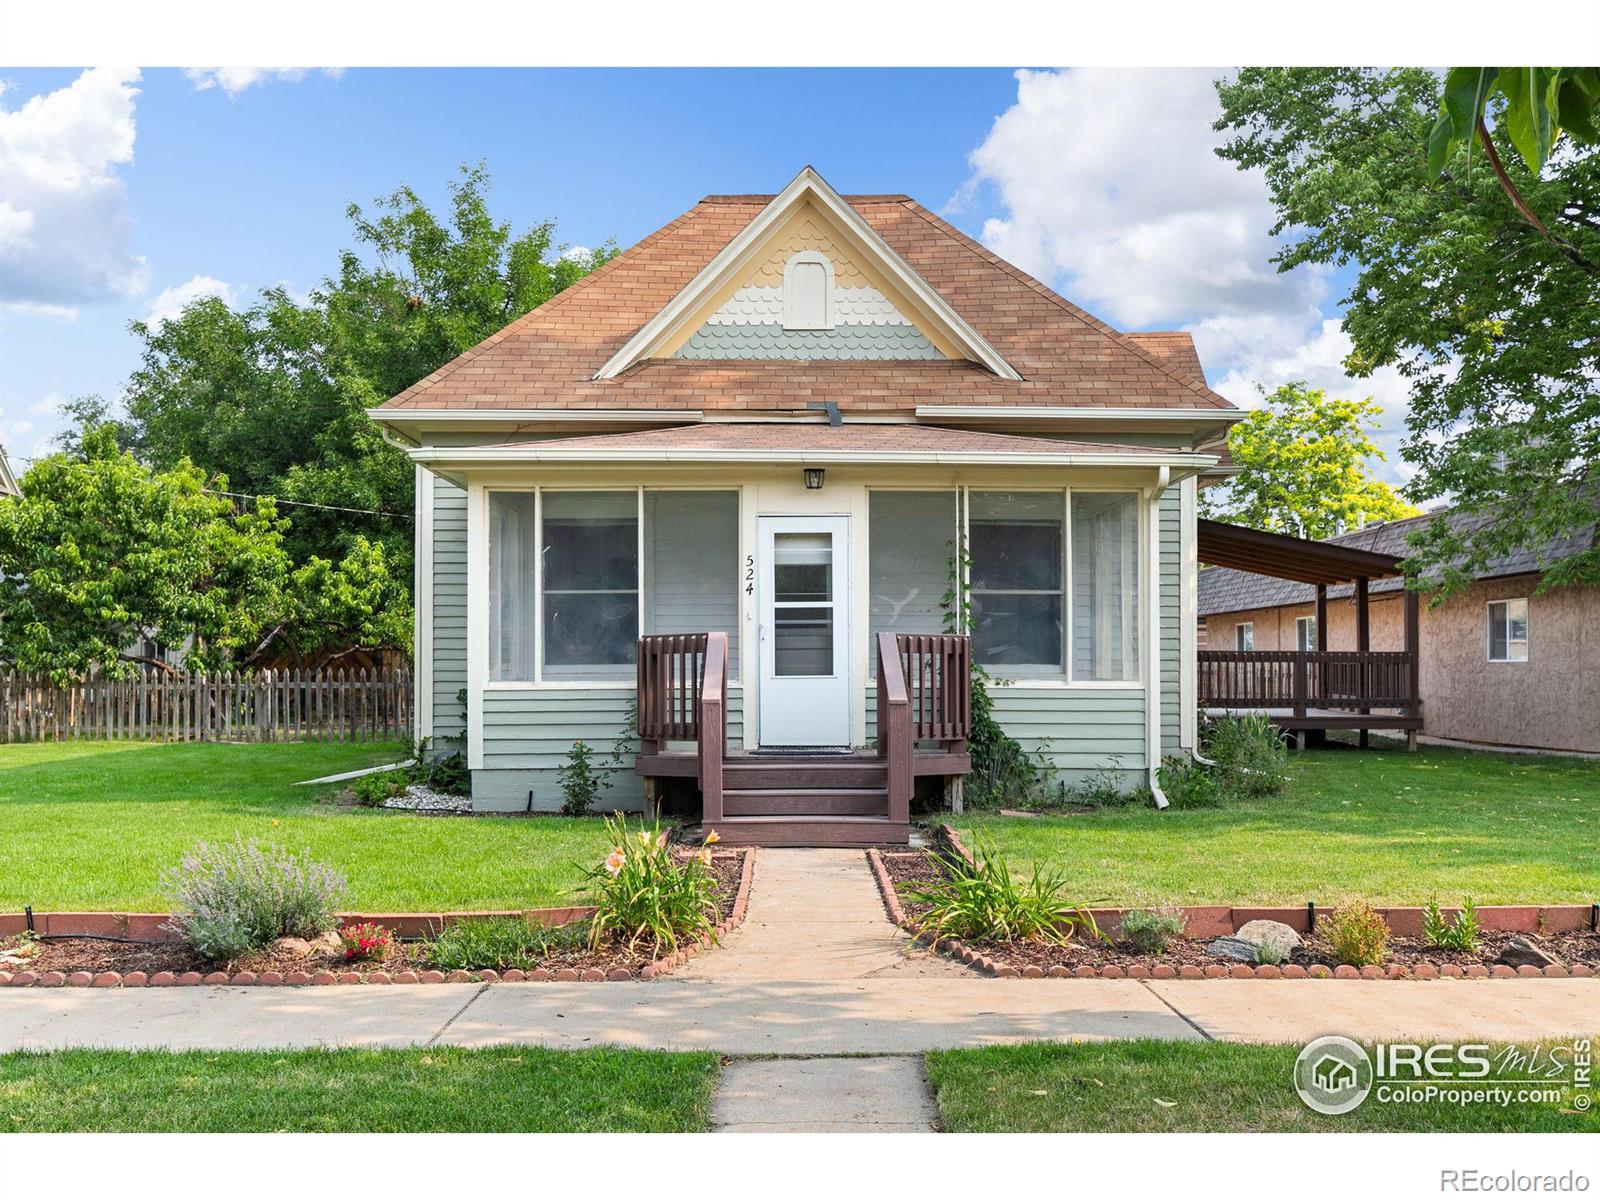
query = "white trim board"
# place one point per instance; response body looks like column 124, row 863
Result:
column 931, row 307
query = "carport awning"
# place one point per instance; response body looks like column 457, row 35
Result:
column 1284, row 557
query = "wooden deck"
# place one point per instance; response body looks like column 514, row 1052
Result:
column 1314, row 689
column 799, row 798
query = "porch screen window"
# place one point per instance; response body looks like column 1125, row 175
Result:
column 591, row 584
column 1017, row 551
column 911, row 538
column 1508, row 631
column 1105, row 586
column 513, row 545
column 691, row 565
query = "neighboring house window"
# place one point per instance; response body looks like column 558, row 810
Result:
column 1305, row 632
column 808, row 291
column 1508, row 630
column 1105, row 586
column 591, row 584
column 1244, row 636
column 1017, row 581
column 513, row 549
column 910, row 538
column 691, row 565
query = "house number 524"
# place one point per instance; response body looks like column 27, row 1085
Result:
column 749, row 574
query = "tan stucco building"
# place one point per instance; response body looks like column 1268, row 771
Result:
column 1501, row 664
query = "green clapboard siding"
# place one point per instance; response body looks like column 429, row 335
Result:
column 449, row 610
column 1171, row 535
column 527, row 735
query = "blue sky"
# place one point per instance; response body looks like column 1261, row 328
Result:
column 129, row 192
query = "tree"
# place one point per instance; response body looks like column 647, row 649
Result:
column 273, row 395
column 1303, row 467
column 101, row 551
column 1494, row 325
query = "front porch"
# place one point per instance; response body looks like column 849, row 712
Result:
column 1313, row 689
column 793, row 797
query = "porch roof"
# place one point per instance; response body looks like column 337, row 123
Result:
column 1285, row 557
column 818, row 443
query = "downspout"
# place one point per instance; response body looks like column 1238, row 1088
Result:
column 1152, row 644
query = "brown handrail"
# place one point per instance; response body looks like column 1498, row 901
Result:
column 713, row 721
column 894, row 726
column 938, row 674
column 670, row 667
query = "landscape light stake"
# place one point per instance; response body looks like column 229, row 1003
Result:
column 1594, row 917
column 1311, row 916
column 27, row 910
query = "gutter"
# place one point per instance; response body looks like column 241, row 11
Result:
column 556, row 453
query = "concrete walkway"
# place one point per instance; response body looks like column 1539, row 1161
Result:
column 824, row 1095
column 816, row 915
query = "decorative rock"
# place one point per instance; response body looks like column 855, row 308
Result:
column 324, row 979
column 1292, row 971
column 1189, row 972
column 1523, row 951
column 406, row 977
column 1268, row 971
column 80, row 979
column 135, row 979
column 540, row 975
column 1273, row 933
column 1216, row 971
column 1241, row 972
column 327, row 941
column 432, row 977
column 567, row 975
column 52, row 979
column 270, row 978
column 514, row 975
column 244, row 979
column 1163, row 971
column 107, row 979
column 298, row 947
column 349, row 977
column 191, row 979
column 1232, row 947
column 163, row 979
column 1372, row 972
column 1346, row 971
column 619, row 975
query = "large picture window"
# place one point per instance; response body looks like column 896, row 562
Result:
column 691, row 565
column 911, row 539
column 591, row 584
column 1017, row 567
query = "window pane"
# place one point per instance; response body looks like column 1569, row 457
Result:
column 512, row 546
column 591, row 579
column 911, row 539
column 691, row 565
column 1244, row 637
column 802, row 641
column 1517, row 630
column 1016, row 545
column 802, row 567
column 1105, row 586
column 1497, row 631
column 1306, row 627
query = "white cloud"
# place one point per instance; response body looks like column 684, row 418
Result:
column 50, row 404
column 29, row 308
column 173, row 300
column 234, row 80
column 65, row 234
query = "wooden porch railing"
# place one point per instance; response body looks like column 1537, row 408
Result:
column 924, row 695
column 683, row 697
column 1305, row 679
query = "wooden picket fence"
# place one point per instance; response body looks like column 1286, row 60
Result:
column 352, row 705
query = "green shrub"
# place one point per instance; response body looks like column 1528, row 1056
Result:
column 1463, row 935
column 1106, row 788
column 1148, row 930
column 233, row 899
column 1189, row 784
column 1269, row 953
column 1250, row 754
column 581, row 780
column 500, row 943
column 371, row 791
column 980, row 901
column 644, row 895
column 1359, row 936
column 449, row 775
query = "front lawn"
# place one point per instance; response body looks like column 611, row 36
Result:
column 504, row 1089
column 1385, row 825
column 92, row 825
column 1183, row 1087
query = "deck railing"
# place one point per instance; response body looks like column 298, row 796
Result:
column 1306, row 679
column 683, row 697
column 924, row 695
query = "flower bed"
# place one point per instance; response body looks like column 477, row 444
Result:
column 85, row 961
column 1409, row 956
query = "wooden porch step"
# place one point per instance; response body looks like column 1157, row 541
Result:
column 819, row 772
column 813, row 831
column 803, row 801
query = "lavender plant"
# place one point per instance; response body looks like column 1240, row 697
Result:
column 235, row 898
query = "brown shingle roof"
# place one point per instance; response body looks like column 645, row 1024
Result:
column 547, row 358
column 1173, row 346
column 818, row 438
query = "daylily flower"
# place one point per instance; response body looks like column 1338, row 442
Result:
column 712, row 839
column 615, row 859
column 644, row 838
column 705, row 855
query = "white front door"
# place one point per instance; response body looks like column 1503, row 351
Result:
column 803, row 568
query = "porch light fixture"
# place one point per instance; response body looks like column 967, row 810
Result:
column 813, row 479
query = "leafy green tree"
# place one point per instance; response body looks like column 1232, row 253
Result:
column 1494, row 325
column 273, row 395
column 1302, row 461
column 100, row 551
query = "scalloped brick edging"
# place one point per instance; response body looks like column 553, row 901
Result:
column 957, row 949
column 325, row 978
